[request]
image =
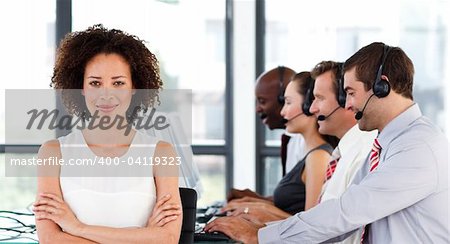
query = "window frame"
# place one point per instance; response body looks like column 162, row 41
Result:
column 64, row 26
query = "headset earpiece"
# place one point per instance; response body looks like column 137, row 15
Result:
column 381, row 87
column 309, row 97
column 280, row 97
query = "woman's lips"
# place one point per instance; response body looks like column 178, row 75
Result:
column 106, row 108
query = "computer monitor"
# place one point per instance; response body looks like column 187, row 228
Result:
column 175, row 134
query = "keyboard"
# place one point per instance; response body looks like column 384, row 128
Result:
column 205, row 215
column 211, row 236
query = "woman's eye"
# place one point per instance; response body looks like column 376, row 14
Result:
column 119, row 83
column 94, row 83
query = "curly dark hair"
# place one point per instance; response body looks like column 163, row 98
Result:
column 78, row 48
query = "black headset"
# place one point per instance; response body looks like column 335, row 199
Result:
column 280, row 96
column 309, row 97
column 341, row 94
column 381, row 86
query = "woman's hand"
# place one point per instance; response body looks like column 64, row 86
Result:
column 256, row 215
column 164, row 212
column 233, row 206
column 236, row 194
column 251, row 199
column 52, row 207
column 258, row 212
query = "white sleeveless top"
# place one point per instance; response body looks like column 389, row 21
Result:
column 108, row 201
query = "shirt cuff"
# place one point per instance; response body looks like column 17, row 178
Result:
column 269, row 234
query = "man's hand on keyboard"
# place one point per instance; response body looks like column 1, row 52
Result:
column 236, row 228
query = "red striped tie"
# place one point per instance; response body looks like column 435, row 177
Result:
column 333, row 163
column 375, row 155
column 335, row 156
column 331, row 168
column 374, row 161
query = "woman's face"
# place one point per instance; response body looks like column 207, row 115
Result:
column 292, row 111
column 107, row 85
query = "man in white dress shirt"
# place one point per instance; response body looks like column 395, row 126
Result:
column 354, row 145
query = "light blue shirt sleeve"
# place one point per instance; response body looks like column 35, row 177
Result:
column 405, row 198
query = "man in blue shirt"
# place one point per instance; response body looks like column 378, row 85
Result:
column 400, row 195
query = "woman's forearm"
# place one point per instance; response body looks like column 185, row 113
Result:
column 62, row 237
column 103, row 234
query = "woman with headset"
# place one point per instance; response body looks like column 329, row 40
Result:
column 300, row 189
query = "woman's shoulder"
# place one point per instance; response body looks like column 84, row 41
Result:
column 48, row 150
column 326, row 147
column 73, row 137
column 51, row 147
column 323, row 151
column 54, row 146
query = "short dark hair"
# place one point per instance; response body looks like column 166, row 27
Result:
column 78, row 48
column 398, row 67
column 326, row 66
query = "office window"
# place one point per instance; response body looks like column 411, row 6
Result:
column 16, row 192
column 211, row 169
column 272, row 173
column 299, row 34
column 28, row 48
column 188, row 38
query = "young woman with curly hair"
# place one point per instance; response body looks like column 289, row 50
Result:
column 106, row 74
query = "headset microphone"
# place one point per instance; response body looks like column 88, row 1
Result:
column 359, row 114
column 287, row 120
column 323, row 117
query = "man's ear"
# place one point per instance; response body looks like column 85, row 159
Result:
column 383, row 77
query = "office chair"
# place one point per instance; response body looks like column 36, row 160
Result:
column 189, row 202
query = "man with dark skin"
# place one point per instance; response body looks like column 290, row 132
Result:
column 267, row 90
column 269, row 93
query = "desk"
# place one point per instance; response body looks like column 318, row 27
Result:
column 17, row 227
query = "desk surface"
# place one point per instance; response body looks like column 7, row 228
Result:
column 16, row 228
column 24, row 223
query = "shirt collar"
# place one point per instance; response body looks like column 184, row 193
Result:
column 347, row 142
column 398, row 124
